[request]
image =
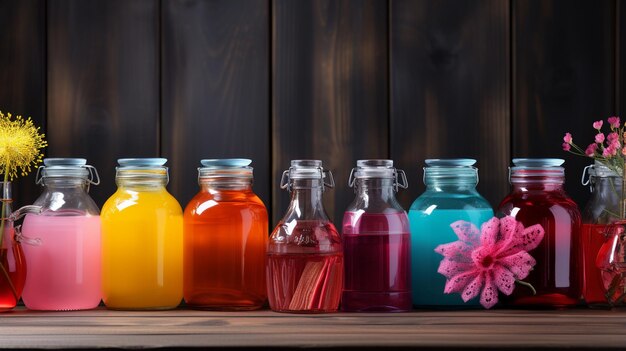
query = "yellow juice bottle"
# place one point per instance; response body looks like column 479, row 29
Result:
column 142, row 242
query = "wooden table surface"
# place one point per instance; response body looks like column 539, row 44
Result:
column 578, row 329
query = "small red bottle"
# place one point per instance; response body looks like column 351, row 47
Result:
column 538, row 197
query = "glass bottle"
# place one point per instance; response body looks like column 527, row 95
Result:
column 63, row 241
column 305, row 256
column 601, row 210
column 12, row 261
column 376, row 241
column 538, row 197
column 225, row 238
column 450, row 196
column 142, row 239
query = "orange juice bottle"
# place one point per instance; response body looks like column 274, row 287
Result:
column 225, row 238
column 142, row 241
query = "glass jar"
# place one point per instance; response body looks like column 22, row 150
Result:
column 538, row 197
column 62, row 245
column 601, row 209
column 450, row 196
column 305, row 256
column 142, row 239
column 225, row 238
column 376, row 241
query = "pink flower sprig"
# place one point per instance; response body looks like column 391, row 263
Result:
column 609, row 149
column 494, row 258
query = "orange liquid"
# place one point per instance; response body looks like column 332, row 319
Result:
column 225, row 238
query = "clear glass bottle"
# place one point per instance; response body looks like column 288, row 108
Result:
column 376, row 241
column 601, row 210
column 12, row 261
column 305, row 255
column 450, row 196
column 225, row 238
column 538, row 197
column 62, row 245
column 142, row 239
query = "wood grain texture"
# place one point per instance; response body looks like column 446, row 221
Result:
column 563, row 79
column 498, row 329
column 329, row 90
column 23, row 74
column 450, row 88
column 216, row 89
column 103, row 83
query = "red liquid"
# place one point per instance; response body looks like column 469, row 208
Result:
column 592, row 240
column 14, row 264
column 556, row 276
column 305, row 268
column 224, row 251
column 377, row 262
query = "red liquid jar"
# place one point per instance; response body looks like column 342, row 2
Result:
column 601, row 210
column 376, row 239
column 305, row 255
column 538, row 197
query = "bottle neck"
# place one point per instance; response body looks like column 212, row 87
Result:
column 66, row 183
column 226, row 184
column 537, row 187
column 376, row 188
column 144, row 184
column 306, row 200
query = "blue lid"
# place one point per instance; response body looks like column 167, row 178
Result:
column 450, row 162
column 142, row 162
column 64, row 162
column 538, row 162
column 226, row 162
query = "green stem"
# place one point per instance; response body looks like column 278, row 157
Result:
column 528, row 285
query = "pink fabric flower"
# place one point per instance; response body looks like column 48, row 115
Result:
column 483, row 262
column 606, row 152
column 567, row 146
column 614, row 122
column 591, row 150
column 597, row 124
column 612, row 137
column 568, row 138
column 600, row 138
column 624, row 151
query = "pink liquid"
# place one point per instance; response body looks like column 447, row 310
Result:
column 593, row 286
column 63, row 272
column 305, row 283
column 377, row 262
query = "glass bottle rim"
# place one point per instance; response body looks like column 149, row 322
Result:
column 537, row 170
column 377, row 169
column 63, row 168
column 306, row 170
column 225, row 168
column 450, row 171
column 142, row 169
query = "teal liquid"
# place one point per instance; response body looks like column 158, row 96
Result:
column 428, row 232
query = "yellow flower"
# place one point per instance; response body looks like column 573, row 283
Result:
column 20, row 144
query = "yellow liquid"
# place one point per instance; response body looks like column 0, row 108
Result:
column 142, row 250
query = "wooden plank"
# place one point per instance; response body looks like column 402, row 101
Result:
column 22, row 73
column 215, row 88
column 329, row 90
column 563, row 78
column 103, row 83
column 502, row 329
column 450, row 88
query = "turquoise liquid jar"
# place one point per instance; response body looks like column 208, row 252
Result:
column 450, row 196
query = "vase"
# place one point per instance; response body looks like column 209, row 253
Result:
column 12, row 263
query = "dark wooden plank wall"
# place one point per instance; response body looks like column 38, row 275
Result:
column 275, row 80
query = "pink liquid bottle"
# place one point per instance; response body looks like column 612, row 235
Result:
column 62, row 243
column 376, row 242
column 305, row 256
column 538, row 197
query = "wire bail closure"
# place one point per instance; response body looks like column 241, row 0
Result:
column 17, row 215
column 399, row 179
column 93, row 174
column 286, row 178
